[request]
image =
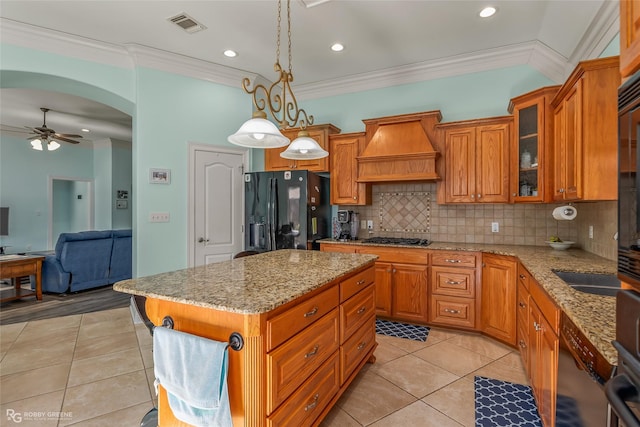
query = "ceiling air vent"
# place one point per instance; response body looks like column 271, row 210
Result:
column 187, row 23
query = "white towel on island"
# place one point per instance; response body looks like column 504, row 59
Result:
column 193, row 371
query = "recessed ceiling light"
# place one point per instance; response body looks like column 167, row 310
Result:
column 487, row 12
column 337, row 47
column 230, row 53
column 85, row 130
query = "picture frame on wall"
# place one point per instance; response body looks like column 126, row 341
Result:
column 160, row 176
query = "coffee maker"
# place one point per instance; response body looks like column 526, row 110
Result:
column 348, row 222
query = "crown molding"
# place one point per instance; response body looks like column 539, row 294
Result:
column 56, row 42
column 548, row 62
column 534, row 53
column 604, row 27
column 183, row 65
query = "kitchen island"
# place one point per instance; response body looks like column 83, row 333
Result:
column 306, row 321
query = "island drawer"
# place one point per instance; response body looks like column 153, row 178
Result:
column 447, row 310
column 356, row 311
column 397, row 254
column 306, row 404
column 285, row 325
column 523, row 306
column 453, row 281
column 523, row 276
column 293, row 362
column 357, row 347
column 454, row 258
column 356, row 283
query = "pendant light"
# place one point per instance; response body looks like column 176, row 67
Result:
column 304, row 148
column 282, row 105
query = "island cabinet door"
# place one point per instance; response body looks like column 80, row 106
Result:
column 383, row 288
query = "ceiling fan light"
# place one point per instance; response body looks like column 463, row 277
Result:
column 53, row 145
column 304, row 148
column 258, row 132
column 36, row 144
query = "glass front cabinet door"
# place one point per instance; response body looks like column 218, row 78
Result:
column 531, row 158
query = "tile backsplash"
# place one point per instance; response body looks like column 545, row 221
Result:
column 410, row 210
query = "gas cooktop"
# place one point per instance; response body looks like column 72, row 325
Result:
column 397, row 241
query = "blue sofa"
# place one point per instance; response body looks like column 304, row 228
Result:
column 87, row 259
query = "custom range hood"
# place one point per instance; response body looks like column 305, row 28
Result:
column 398, row 148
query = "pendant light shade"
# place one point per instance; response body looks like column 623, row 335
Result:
column 53, row 145
column 258, row 132
column 304, row 148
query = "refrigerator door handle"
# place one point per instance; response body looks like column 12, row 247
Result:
column 271, row 215
column 268, row 225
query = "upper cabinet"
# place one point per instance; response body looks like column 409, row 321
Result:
column 586, row 133
column 273, row 161
column 345, row 189
column 531, row 154
column 476, row 161
column 629, row 37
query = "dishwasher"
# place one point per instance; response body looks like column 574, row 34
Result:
column 582, row 373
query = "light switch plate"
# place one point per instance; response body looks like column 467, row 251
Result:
column 159, row 217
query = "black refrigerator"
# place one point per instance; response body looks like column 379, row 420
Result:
column 286, row 210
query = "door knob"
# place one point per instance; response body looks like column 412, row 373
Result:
column 202, row 240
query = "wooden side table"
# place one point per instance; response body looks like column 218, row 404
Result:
column 16, row 266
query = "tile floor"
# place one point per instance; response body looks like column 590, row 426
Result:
column 96, row 369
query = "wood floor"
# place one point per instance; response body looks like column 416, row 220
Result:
column 57, row 305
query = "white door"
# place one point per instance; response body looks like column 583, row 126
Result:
column 217, row 204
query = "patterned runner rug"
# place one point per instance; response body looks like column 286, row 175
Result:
column 402, row 330
column 501, row 403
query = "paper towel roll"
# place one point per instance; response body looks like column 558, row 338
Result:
column 565, row 213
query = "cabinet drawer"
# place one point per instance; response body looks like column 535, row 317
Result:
column 357, row 347
column 457, row 258
column 522, row 308
column 306, row 404
column 523, row 276
column 453, row 311
column 522, row 340
column 287, row 324
column 293, row 362
column 457, row 282
column 403, row 255
column 356, row 283
column 354, row 312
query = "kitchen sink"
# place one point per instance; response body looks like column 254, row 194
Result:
column 591, row 283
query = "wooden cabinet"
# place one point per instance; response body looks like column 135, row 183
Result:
column 273, row 161
column 586, row 133
column 629, row 37
column 531, row 155
column 401, row 280
column 297, row 359
column 538, row 323
column 452, row 289
column 345, row 189
column 476, row 161
column 498, row 307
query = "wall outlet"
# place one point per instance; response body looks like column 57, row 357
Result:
column 591, row 231
column 159, row 217
column 495, row 227
column 370, row 224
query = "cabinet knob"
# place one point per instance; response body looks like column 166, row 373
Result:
column 561, row 190
column 394, row 270
column 537, row 326
column 473, row 196
column 515, row 194
column 479, row 195
column 452, row 311
column 522, row 305
column 522, row 344
column 355, row 197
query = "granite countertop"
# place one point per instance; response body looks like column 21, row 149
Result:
column 594, row 315
column 249, row 285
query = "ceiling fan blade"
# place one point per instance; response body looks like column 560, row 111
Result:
column 14, row 129
column 71, row 141
column 43, row 129
column 66, row 135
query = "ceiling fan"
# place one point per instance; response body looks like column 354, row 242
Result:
column 48, row 136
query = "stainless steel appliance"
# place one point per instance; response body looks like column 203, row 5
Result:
column 623, row 390
column 286, row 210
column 628, row 188
column 582, row 372
column 349, row 224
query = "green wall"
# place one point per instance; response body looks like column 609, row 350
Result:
column 170, row 111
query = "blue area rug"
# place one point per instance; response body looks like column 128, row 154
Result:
column 402, row 330
column 501, row 403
